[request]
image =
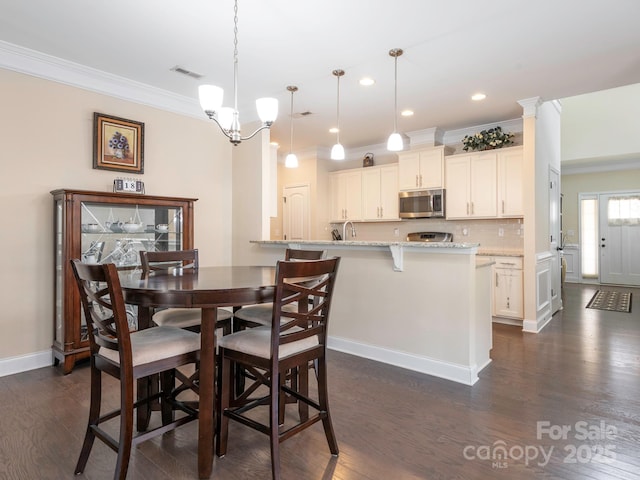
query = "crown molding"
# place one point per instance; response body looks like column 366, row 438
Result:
column 427, row 137
column 41, row 65
column 530, row 106
column 451, row 137
column 598, row 165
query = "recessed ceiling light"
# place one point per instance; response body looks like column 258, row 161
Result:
column 334, row 130
column 274, row 144
column 367, row 81
column 407, row 113
column 478, row 96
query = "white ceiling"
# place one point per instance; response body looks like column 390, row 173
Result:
column 509, row 49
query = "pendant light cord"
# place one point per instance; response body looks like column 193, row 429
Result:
column 291, row 122
column 338, row 112
column 235, row 56
column 395, row 89
column 338, row 73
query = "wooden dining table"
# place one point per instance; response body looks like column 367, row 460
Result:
column 206, row 288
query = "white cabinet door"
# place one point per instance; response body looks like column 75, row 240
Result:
column 353, row 195
column 409, row 171
column 510, row 182
column 389, row 204
column 371, row 193
column 458, row 195
column 380, row 193
column 421, row 169
column 471, row 186
column 507, row 288
column 432, row 168
column 346, row 196
column 483, row 185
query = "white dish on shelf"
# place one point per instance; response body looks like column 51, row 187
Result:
column 131, row 227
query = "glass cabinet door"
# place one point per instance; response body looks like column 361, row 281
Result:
column 117, row 233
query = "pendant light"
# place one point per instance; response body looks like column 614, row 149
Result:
column 337, row 152
column 228, row 118
column 291, row 161
column 395, row 143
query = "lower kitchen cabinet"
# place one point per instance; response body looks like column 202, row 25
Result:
column 507, row 288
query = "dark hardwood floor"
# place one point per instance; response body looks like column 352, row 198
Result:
column 580, row 374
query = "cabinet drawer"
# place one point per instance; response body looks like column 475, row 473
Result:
column 508, row 262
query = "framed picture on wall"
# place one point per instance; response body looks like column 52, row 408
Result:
column 118, row 144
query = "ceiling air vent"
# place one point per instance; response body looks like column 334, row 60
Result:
column 186, row 72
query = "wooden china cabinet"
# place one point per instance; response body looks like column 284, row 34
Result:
column 105, row 227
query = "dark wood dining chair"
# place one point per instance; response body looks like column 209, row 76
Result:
column 256, row 315
column 127, row 356
column 188, row 318
column 260, row 314
column 295, row 338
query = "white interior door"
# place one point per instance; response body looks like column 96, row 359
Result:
column 620, row 238
column 296, row 224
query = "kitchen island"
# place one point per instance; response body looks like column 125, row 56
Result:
column 421, row 306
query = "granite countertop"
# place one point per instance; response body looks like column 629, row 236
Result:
column 365, row 243
column 497, row 252
column 482, row 261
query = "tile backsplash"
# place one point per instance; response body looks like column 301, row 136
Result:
column 499, row 234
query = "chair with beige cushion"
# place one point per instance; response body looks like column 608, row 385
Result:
column 188, row 318
column 255, row 315
column 295, row 338
column 127, row 356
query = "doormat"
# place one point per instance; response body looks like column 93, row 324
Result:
column 610, row 300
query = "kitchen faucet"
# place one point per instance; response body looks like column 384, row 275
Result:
column 344, row 230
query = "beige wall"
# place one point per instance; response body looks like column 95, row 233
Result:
column 46, row 130
column 312, row 170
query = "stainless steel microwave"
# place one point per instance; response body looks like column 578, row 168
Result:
column 422, row 203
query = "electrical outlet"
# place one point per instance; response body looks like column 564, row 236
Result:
column 571, row 233
column 501, row 232
column 465, row 231
column 396, row 232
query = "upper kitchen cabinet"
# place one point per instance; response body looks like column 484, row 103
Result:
column 380, row 193
column 346, row 195
column 421, row 169
column 471, row 185
column 510, row 182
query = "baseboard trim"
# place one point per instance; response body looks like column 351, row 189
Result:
column 437, row 368
column 533, row 326
column 24, row 363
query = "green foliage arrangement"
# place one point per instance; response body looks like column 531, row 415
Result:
column 487, row 140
